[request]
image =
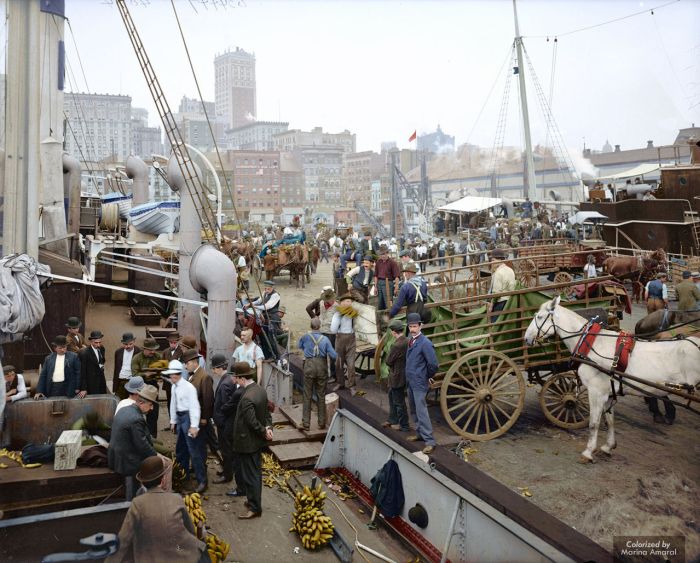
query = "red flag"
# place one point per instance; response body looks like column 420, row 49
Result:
column 412, row 137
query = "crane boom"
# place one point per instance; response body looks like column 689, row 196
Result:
column 195, row 188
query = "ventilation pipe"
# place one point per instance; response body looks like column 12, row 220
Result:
column 71, row 191
column 137, row 171
column 190, row 240
column 52, row 190
column 507, row 204
column 213, row 273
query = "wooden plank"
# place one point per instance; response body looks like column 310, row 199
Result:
column 297, row 456
column 287, row 435
column 279, row 418
column 294, row 414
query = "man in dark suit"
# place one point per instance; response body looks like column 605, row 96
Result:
column 252, row 428
column 60, row 372
column 74, row 340
column 92, row 366
column 131, row 442
column 122, row 364
column 368, row 247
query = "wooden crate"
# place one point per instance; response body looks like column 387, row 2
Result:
column 142, row 316
column 68, row 450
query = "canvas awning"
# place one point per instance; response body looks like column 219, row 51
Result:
column 471, row 204
column 637, row 171
column 582, row 216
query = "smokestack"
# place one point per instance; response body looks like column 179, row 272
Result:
column 650, row 144
column 617, row 148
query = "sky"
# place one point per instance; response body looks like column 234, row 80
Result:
column 383, row 68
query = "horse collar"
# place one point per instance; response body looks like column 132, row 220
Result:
column 585, row 343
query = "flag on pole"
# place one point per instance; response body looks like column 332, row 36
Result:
column 412, row 137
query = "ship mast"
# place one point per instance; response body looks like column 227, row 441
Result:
column 530, row 182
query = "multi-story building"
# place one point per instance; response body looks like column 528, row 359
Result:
column 145, row 141
column 321, row 157
column 98, row 126
column 235, row 87
column 261, row 181
column 255, row 136
column 436, row 142
column 195, row 106
column 360, row 169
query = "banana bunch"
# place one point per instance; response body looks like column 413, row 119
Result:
column 16, row 456
column 217, row 548
column 193, row 502
column 314, row 528
column 159, row 364
column 179, row 475
column 274, row 475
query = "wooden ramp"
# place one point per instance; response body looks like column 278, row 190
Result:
column 293, row 413
column 294, row 447
column 297, row 456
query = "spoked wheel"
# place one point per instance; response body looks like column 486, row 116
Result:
column 482, row 395
column 564, row 277
column 564, row 401
column 527, row 273
column 378, row 351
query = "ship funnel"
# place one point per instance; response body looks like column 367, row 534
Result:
column 554, row 195
column 137, row 171
column 213, row 273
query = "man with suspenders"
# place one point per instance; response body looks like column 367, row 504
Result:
column 317, row 349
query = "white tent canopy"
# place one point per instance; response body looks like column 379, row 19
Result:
column 637, row 171
column 582, row 216
column 471, row 204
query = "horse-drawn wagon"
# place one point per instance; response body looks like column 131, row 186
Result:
column 482, row 359
column 290, row 257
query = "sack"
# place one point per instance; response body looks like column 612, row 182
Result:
column 38, row 453
column 96, row 456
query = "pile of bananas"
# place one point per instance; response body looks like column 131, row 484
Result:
column 179, row 475
column 218, row 549
column 314, row 528
column 16, row 456
column 274, row 475
column 159, row 364
column 340, row 485
column 193, row 502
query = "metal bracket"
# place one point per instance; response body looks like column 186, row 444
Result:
column 58, row 408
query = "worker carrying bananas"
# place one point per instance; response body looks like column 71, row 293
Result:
column 157, row 526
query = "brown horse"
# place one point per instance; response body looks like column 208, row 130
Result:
column 637, row 269
column 298, row 259
column 315, row 257
column 660, row 324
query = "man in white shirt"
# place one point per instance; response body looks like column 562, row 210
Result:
column 345, row 344
column 122, row 364
column 249, row 352
column 184, row 421
column 502, row 280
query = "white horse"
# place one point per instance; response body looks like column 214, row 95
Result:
column 660, row 362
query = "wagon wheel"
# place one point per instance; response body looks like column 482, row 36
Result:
column 378, row 358
column 564, row 401
column 565, row 277
column 482, row 395
column 256, row 267
column 527, row 273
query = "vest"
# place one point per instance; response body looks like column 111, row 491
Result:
column 359, row 279
column 656, row 289
column 272, row 312
column 326, row 316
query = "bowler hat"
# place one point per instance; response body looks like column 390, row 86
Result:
column 149, row 392
column 413, row 319
column 396, row 325
column 498, row 254
column 128, row 337
column 175, row 367
column 241, row 369
column 368, row 233
column 73, row 322
column 188, row 342
column 8, row 368
column 418, row 516
column 190, row 354
column 135, row 384
column 60, row 340
column 95, row 335
column 173, row 336
column 150, row 344
column 152, row 468
column 219, row 361
column 686, row 274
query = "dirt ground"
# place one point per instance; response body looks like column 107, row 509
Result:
column 650, row 486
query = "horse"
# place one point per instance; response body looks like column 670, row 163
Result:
column 671, row 361
column 660, row 324
column 298, row 259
